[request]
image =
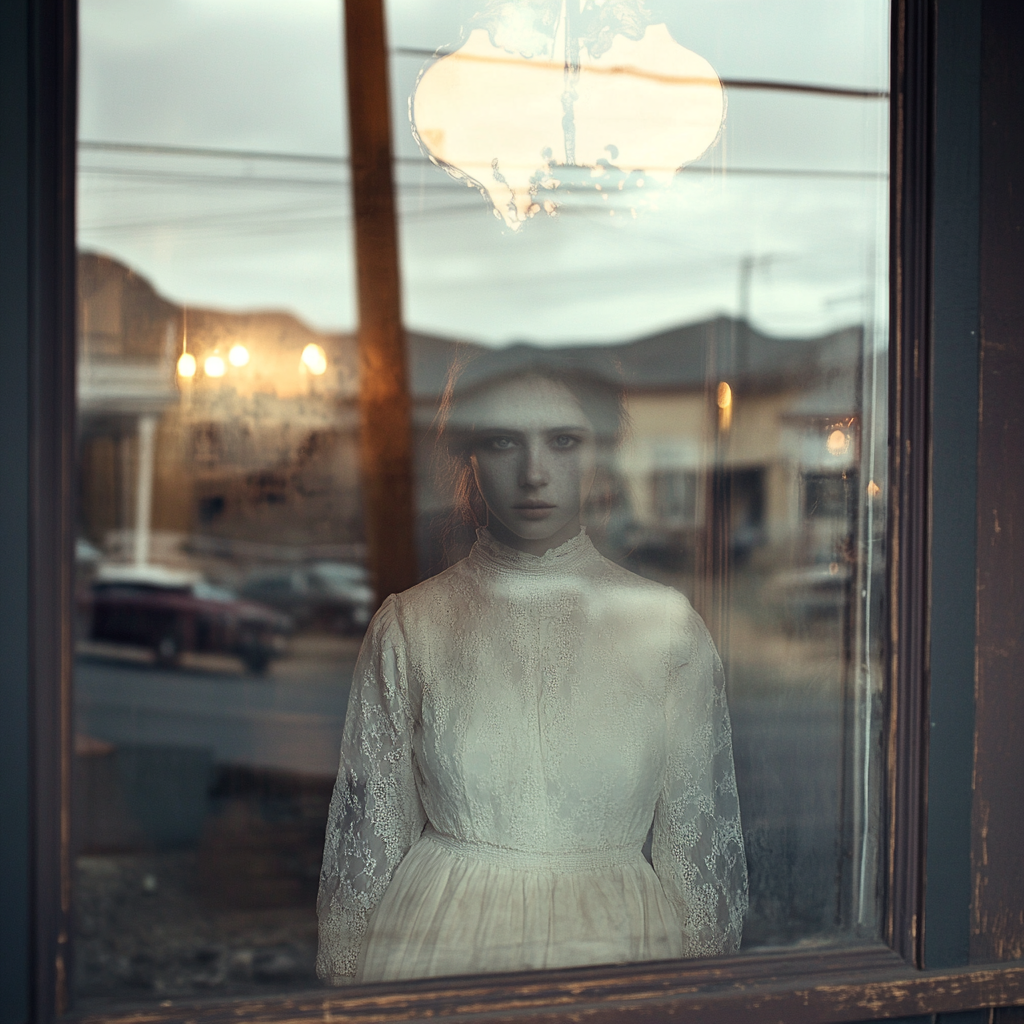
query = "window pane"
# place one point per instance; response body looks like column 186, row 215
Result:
column 222, row 586
column 537, row 766
column 552, row 255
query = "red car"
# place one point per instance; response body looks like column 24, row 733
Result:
column 174, row 612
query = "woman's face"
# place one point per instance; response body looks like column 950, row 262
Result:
column 534, row 457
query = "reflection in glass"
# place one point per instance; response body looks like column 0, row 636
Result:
column 221, row 584
column 744, row 305
column 543, row 91
column 520, row 723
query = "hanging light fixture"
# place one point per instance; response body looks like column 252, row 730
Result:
column 542, row 88
column 186, row 365
column 186, row 361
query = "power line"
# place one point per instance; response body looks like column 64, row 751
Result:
column 760, row 84
column 209, row 151
column 234, row 179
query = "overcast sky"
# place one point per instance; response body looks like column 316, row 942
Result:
column 266, row 75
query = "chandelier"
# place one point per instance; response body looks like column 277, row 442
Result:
column 559, row 94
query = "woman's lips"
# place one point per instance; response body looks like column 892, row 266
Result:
column 535, row 511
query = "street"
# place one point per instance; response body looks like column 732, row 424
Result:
column 290, row 719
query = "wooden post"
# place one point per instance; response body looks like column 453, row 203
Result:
column 386, row 443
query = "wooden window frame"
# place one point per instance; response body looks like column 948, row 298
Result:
column 845, row 983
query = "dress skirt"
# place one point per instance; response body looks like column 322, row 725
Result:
column 465, row 908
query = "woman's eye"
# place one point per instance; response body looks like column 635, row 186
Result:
column 565, row 441
column 500, row 443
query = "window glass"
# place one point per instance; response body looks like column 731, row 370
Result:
column 221, row 586
column 637, row 716
column 741, row 303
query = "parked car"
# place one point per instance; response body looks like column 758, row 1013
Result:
column 173, row 612
column 335, row 596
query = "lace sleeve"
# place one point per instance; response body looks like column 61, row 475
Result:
column 375, row 812
column 697, row 842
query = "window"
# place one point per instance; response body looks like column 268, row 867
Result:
column 738, row 499
column 739, row 305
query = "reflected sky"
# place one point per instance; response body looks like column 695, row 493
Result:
column 796, row 181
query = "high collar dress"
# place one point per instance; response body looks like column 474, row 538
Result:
column 517, row 726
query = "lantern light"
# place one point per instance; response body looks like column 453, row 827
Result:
column 238, row 356
column 314, row 359
column 214, row 366
column 838, row 442
column 186, row 365
column 186, row 361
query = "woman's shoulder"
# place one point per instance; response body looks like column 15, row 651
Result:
column 618, row 577
column 428, row 597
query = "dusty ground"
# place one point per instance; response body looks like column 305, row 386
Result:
column 145, row 929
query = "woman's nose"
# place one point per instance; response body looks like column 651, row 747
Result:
column 535, row 472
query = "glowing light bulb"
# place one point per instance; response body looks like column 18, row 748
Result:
column 238, row 356
column 186, row 365
column 505, row 117
column 214, row 366
column 724, row 395
column 314, row 358
column 838, row 442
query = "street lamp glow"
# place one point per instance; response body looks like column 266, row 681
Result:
column 238, row 356
column 186, row 365
column 838, row 442
column 214, row 366
column 314, row 358
column 724, row 401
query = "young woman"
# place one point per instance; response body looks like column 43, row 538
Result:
column 521, row 722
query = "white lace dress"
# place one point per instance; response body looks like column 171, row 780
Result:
column 515, row 726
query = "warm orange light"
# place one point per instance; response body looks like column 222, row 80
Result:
column 186, row 365
column 214, row 366
column 238, row 356
column 724, row 395
column 838, row 442
column 506, row 123
column 873, row 489
column 314, row 358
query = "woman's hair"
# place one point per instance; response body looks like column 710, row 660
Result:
column 596, row 386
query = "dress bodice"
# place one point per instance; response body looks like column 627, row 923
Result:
column 539, row 718
column 537, row 711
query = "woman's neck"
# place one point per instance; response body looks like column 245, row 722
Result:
column 502, row 533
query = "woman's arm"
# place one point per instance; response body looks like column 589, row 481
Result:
column 698, row 843
column 375, row 813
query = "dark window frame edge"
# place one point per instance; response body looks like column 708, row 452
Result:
column 771, row 987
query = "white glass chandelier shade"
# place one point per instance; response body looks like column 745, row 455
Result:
column 507, row 122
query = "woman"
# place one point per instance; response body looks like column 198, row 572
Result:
column 518, row 725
